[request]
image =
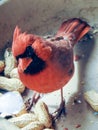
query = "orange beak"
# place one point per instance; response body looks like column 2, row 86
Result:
column 24, row 63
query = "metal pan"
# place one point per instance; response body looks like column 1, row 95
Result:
column 44, row 17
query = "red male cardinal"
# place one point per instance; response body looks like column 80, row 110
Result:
column 46, row 64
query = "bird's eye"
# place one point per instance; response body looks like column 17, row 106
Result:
column 20, row 56
column 29, row 52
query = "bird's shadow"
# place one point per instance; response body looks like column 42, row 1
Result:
column 74, row 108
column 84, row 48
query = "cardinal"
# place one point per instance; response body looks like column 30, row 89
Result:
column 45, row 64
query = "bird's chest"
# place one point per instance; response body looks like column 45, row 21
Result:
column 58, row 71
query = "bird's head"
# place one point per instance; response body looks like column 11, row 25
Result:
column 21, row 41
column 28, row 45
column 31, row 50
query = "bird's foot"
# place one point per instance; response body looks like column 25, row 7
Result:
column 61, row 110
column 31, row 101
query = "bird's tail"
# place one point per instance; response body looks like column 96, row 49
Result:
column 75, row 26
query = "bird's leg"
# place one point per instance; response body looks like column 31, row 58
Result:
column 32, row 101
column 61, row 109
column 36, row 97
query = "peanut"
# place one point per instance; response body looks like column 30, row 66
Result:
column 42, row 112
column 2, row 66
column 23, row 111
column 92, row 98
column 12, row 84
column 14, row 73
column 34, row 126
column 10, row 62
column 24, row 119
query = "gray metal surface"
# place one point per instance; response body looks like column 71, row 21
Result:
column 44, row 17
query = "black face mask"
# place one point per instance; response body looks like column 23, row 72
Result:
column 37, row 64
column 29, row 52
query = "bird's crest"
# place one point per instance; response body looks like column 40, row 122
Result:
column 21, row 41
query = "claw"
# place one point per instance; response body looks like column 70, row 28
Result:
column 61, row 110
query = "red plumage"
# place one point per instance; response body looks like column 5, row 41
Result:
column 46, row 64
